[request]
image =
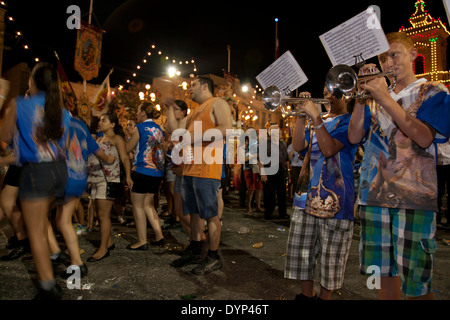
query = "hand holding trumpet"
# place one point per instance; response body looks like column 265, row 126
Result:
column 309, row 107
column 377, row 86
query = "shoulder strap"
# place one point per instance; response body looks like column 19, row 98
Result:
column 100, row 162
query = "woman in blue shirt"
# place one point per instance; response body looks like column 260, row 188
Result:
column 38, row 126
column 80, row 146
column 147, row 138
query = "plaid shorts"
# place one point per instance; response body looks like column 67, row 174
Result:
column 401, row 243
column 310, row 236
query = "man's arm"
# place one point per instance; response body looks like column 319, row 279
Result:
column 413, row 128
column 222, row 116
column 172, row 122
column 356, row 126
column 298, row 139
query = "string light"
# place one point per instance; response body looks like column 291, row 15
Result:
column 427, row 32
column 167, row 58
column 17, row 34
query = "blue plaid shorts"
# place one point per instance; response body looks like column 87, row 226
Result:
column 401, row 243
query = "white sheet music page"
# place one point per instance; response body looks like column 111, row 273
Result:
column 285, row 73
column 361, row 34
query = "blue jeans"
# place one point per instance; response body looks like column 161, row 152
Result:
column 200, row 196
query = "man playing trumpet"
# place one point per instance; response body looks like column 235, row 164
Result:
column 322, row 226
column 398, row 229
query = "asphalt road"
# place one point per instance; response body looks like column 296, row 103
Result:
column 253, row 255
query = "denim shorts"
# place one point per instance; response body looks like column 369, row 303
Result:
column 200, row 196
column 43, row 180
column 177, row 185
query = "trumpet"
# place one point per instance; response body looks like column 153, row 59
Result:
column 342, row 82
column 273, row 99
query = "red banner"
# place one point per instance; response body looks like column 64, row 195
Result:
column 69, row 96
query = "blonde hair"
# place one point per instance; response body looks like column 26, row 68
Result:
column 400, row 37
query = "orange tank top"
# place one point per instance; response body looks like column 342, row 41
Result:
column 208, row 162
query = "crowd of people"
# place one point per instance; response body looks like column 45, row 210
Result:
column 53, row 160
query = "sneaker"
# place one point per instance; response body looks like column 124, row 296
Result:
column 12, row 243
column 188, row 257
column 20, row 250
column 208, row 265
column 185, row 259
column 63, row 258
column 55, row 293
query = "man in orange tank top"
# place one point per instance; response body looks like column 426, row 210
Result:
column 202, row 159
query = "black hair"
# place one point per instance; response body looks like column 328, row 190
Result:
column 182, row 105
column 45, row 78
column 117, row 127
column 207, row 80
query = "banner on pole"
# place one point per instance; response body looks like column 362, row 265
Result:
column 102, row 99
column 69, row 96
column 88, row 51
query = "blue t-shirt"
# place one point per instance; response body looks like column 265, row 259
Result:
column 27, row 145
column 149, row 157
column 331, row 187
column 80, row 146
column 411, row 169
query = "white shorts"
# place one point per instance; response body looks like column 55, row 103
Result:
column 98, row 191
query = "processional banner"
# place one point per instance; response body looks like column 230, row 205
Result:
column 88, row 51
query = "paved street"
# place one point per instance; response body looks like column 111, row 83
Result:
column 252, row 251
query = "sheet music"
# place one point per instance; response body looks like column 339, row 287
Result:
column 361, row 34
column 285, row 73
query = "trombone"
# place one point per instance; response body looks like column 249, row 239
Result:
column 342, row 82
column 273, row 99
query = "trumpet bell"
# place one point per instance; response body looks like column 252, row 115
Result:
column 341, row 81
column 271, row 98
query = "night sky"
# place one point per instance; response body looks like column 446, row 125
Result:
column 194, row 30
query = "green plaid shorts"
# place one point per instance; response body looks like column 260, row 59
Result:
column 311, row 236
column 401, row 243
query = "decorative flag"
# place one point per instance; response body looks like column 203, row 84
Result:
column 88, row 51
column 69, row 96
column 103, row 97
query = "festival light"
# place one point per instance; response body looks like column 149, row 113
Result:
column 172, row 71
